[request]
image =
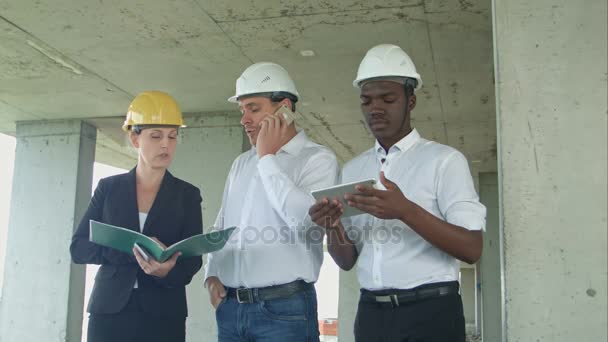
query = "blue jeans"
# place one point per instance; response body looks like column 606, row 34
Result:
column 292, row 319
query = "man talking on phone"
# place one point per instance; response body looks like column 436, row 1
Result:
column 261, row 283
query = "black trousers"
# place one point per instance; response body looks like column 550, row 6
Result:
column 133, row 325
column 439, row 319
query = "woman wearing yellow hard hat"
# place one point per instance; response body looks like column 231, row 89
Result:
column 134, row 299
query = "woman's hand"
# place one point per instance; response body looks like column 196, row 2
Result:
column 153, row 267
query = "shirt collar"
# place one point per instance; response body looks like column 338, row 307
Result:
column 402, row 145
column 293, row 146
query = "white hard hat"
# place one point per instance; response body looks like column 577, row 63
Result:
column 386, row 60
column 264, row 77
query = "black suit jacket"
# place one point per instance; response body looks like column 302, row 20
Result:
column 174, row 216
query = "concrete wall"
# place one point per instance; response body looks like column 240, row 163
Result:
column 468, row 294
column 490, row 263
column 7, row 150
column 551, row 86
column 204, row 155
column 43, row 291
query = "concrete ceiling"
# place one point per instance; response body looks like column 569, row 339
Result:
column 87, row 59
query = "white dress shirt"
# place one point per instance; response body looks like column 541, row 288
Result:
column 432, row 175
column 267, row 200
column 142, row 221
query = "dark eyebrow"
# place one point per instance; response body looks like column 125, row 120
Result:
column 392, row 93
column 249, row 105
column 382, row 94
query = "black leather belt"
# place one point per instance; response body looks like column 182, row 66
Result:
column 401, row 297
column 252, row 295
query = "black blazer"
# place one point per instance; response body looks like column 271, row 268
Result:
column 174, row 216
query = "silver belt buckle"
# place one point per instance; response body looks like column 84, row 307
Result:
column 241, row 292
column 393, row 299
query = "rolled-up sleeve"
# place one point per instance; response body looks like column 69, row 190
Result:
column 456, row 196
column 291, row 200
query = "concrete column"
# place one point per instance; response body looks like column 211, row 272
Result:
column 551, row 86
column 43, row 290
column 467, row 292
column 7, row 150
column 490, row 264
column 478, row 299
column 206, row 150
column 347, row 305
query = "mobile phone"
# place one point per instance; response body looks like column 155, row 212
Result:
column 141, row 252
column 287, row 114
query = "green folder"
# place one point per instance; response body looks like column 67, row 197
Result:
column 123, row 240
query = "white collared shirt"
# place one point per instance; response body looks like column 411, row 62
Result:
column 432, row 175
column 142, row 221
column 268, row 200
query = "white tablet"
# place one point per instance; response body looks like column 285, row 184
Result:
column 338, row 191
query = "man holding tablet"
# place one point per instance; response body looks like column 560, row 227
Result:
column 421, row 220
column 261, row 282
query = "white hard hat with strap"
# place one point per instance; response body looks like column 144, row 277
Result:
column 264, row 77
column 386, row 61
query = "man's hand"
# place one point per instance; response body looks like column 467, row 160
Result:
column 389, row 204
column 216, row 289
column 326, row 213
column 153, row 267
column 274, row 133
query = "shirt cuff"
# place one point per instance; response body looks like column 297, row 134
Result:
column 268, row 166
column 467, row 220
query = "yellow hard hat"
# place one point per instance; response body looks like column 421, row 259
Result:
column 153, row 108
